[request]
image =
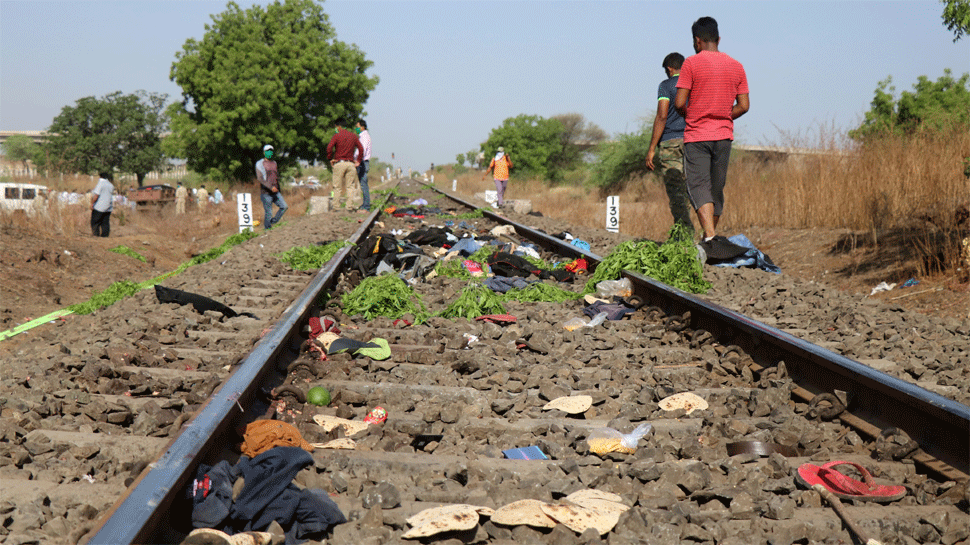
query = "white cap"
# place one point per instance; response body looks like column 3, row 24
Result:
column 267, row 147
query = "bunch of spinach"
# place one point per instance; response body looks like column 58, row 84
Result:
column 312, row 257
column 385, row 295
column 674, row 263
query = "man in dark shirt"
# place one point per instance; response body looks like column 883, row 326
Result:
column 668, row 132
column 340, row 151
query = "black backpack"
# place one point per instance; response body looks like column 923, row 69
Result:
column 372, row 251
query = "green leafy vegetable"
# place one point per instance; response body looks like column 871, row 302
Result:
column 385, row 295
column 674, row 263
column 475, row 300
column 307, row 258
column 124, row 250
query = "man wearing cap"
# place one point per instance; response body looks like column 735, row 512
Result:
column 500, row 166
column 341, row 150
column 269, row 187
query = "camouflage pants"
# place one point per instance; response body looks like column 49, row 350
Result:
column 670, row 159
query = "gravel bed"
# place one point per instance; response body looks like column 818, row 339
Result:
column 682, row 486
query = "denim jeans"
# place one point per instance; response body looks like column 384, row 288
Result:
column 268, row 199
column 362, row 176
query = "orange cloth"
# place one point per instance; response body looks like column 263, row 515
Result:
column 263, row 435
column 501, row 168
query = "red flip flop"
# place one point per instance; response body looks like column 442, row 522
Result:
column 500, row 319
column 844, row 487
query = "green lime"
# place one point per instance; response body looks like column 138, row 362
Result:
column 318, row 396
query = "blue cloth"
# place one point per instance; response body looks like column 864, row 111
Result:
column 268, row 200
column 466, row 246
column 267, row 495
column 503, row 284
column 464, row 225
column 752, row 258
column 581, row 244
column 211, row 502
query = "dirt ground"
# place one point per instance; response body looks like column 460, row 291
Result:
column 43, row 269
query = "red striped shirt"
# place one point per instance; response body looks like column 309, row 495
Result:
column 714, row 81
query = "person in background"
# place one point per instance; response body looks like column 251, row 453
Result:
column 364, row 165
column 217, row 196
column 712, row 92
column 102, row 205
column 341, row 150
column 668, row 133
column 180, row 194
column 203, row 197
column 500, row 166
column 267, row 177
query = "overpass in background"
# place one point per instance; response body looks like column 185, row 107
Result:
column 36, row 136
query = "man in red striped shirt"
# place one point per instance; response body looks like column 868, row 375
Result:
column 717, row 89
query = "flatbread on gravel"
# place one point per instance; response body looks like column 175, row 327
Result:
column 570, row 404
column 684, row 400
column 430, row 514
column 351, row 427
column 599, row 500
column 579, row 519
column 344, row 443
column 446, row 518
column 528, row 512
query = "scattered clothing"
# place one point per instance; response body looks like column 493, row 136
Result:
column 614, row 311
column 263, row 435
column 268, row 494
column 198, row 302
column 502, row 284
column 751, row 257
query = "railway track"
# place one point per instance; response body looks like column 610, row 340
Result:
column 453, row 406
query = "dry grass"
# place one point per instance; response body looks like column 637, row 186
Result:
column 911, row 188
column 197, row 231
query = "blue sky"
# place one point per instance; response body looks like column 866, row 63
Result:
column 453, row 70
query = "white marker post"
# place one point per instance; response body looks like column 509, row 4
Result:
column 454, row 185
column 613, row 214
column 244, row 203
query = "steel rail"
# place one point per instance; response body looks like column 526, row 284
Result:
column 135, row 516
column 939, row 425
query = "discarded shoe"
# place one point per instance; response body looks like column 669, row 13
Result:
column 375, row 349
column 844, row 487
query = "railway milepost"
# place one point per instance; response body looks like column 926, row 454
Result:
column 244, row 203
column 613, row 213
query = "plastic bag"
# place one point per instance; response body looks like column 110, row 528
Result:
column 605, row 440
column 575, row 323
column 608, row 288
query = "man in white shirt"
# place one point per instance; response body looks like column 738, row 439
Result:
column 364, row 165
column 102, row 205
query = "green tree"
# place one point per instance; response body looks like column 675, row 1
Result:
column 531, row 141
column 620, row 159
column 264, row 75
column 578, row 136
column 20, row 147
column 940, row 105
column 472, row 157
column 460, row 159
column 116, row 132
column 956, row 17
